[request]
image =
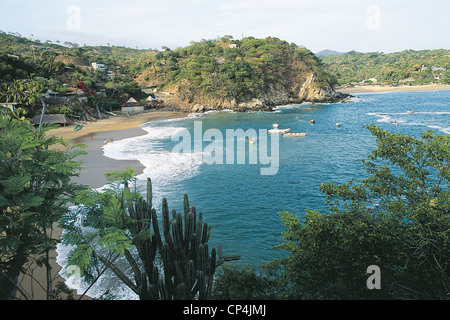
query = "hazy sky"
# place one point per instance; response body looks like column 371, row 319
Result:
column 341, row 25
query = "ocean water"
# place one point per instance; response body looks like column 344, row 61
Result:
column 240, row 203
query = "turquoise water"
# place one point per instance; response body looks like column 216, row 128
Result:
column 243, row 206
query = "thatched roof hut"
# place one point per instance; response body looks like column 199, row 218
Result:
column 51, row 118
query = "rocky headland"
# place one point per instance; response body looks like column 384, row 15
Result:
column 241, row 75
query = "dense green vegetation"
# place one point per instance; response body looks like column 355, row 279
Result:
column 406, row 67
column 35, row 188
column 238, row 70
column 28, row 69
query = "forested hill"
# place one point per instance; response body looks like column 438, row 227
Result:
column 30, row 68
column 240, row 74
column 223, row 73
column 406, row 67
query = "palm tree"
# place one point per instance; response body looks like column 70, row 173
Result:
column 16, row 92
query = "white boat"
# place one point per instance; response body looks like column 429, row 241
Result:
column 276, row 130
column 338, row 124
column 294, row 134
column 409, row 112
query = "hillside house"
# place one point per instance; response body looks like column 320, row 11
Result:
column 51, row 94
column 99, row 66
column 9, row 105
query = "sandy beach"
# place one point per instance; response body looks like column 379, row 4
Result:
column 92, row 172
column 380, row 88
column 93, row 136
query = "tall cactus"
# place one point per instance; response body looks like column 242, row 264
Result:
column 187, row 270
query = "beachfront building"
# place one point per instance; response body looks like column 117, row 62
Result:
column 152, row 101
column 51, row 118
column 132, row 106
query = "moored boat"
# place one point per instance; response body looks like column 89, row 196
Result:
column 276, row 130
column 294, row 134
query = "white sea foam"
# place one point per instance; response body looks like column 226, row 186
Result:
column 164, row 167
column 107, row 281
column 439, row 128
column 302, row 106
column 384, row 117
column 401, row 117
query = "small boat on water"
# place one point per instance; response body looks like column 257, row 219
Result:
column 294, row 134
column 395, row 123
column 409, row 112
column 276, row 130
column 313, row 120
column 338, row 124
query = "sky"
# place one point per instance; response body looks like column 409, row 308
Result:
column 340, row 25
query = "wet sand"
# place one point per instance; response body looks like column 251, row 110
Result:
column 93, row 136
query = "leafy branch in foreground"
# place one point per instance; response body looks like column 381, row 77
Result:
column 397, row 218
column 35, row 188
column 119, row 223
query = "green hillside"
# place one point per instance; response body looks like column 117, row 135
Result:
column 243, row 74
column 406, row 67
column 30, row 68
column 236, row 71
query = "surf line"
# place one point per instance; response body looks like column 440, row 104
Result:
column 231, row 148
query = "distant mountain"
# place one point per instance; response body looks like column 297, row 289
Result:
column 327, row 52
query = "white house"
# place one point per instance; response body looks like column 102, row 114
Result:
column 99, row 66
column 9, row 105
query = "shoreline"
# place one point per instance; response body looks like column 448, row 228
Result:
column 380, row 88
column 95, row 165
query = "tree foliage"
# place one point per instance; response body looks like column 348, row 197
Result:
column 238, row 70
column 409, row 67
column 35, row 187
column 244, row 283
column 397, row 218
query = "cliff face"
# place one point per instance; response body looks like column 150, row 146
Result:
column 275, row 95
column 250, row 74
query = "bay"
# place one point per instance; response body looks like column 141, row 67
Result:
column 242, row 205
